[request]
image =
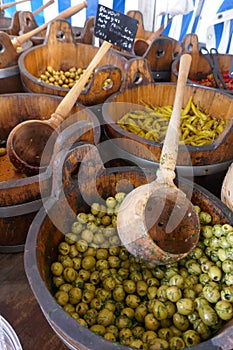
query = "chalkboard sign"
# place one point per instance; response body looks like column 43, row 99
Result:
column 115, row 27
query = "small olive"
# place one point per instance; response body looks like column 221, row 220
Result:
column 57, row 268
column 224, row 309
column 160, row 310
column 185, row 306
column 191, row 338
column 174, row 293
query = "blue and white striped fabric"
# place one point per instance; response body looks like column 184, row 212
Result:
column 60, row 5
column 212, row 21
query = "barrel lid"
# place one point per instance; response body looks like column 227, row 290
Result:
column 8, row 337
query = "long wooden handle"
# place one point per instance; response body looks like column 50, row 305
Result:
column 170, row 147
column 19, row 40
column 71, row 97
column 11, row 4
column 42, row 7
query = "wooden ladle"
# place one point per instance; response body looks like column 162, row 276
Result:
column 157, row 222
column 26, row 142
column 11, row 4
column 17, row 41
column 43, row 7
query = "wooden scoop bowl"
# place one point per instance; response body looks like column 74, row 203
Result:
column 26, row 142
column 19, row 40
column 157, row 222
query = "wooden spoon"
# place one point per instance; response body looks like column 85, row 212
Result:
column 156, row 222
column 11, row 4
column 19, row 40
column 26, row 142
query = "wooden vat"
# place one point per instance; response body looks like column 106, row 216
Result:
column 20, row 197
column 75, row 196
column 61, row 52
column 144, row 91
column 200, row 66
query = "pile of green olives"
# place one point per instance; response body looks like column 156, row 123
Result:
column 138, row 304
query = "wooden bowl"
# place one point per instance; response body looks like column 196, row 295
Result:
column 200, row 67
column 75, row 196
column 61, row 52
column 20, row 197
column 134, row 95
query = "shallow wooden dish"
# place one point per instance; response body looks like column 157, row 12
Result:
column 75, row 196
column 20, row 197
column 62, row 52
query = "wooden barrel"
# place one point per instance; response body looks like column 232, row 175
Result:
column 200, row 66
column 9, row 25
column 27, row 22
column 20, row 197
column 61, row 52
column 10, row 80
column 212, row 159
column 44, row 236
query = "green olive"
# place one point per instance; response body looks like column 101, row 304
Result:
column 82, row 218
column 227, row 266
column 165, row 333
column 202, row 329
column 88, row 262
column 118, row 293
column 123, row 321
column 64, row 248
column 69, row 274
column 160, row 310
column 109, row 283
column 185, row 306
column 57, row 268
column 141, row 288
column 211, row 293
column 140, row 312
column 105, row 317
column 174, row 293
column 151, row 322
column 205, row 218
column 176, row 343
column 127, row 311
column 177, row 280
column 162, row 293
column 180, row 321
column 227, row 293
column 129, row 286
column 158, row 343
column 98, row 329
column 132, row 300
column 75, row 295
column 96, row 304
column 62, row 297
column 215, row 273
column 91, row 317
column 208, row 315
column 191, row 338
column 110, row 336
column 224, row 309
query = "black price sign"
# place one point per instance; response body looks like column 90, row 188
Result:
column 115, row 27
